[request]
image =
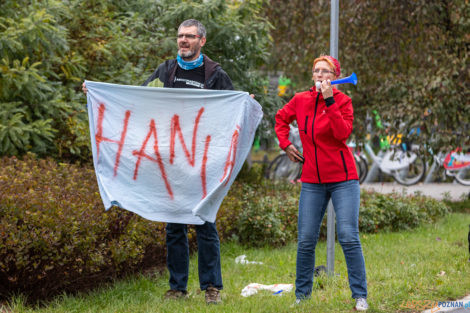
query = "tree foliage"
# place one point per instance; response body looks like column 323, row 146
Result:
column 411, row 58
column 49, row 47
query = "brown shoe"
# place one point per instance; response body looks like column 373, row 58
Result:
column 175, row 294
column 212, row 295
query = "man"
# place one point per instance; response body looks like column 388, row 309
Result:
column 191, row 69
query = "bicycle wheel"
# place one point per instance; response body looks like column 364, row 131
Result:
column 284, row 169
column 414, row 172
column 362, row 167
column 463, row 176
column 272, row 165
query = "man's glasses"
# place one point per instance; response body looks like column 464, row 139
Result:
column 188, row 36
column 324, row 72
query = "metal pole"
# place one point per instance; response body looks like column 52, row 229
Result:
column 429, row 176
column 330, row 222
column 334, row 28
column 330, row 240
column 373, row 170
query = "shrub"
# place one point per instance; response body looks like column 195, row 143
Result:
column 266, row 213
column 260, row 214
column 397, row 211
column 252, row 175
column 462, row 206
column 55, row 235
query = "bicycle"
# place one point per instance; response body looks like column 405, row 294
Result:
column 362, row 166
column 405, row 166
column 399, row 160
column 456, row 165
column 283, row 168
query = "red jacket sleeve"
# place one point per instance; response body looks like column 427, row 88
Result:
column 284, row 117
column 341, row 117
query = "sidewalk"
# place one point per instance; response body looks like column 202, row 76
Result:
column 438, row 191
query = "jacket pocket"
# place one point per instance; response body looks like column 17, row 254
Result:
column 305, row 126
column 344, row 164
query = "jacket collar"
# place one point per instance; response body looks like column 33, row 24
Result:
column 210, row 67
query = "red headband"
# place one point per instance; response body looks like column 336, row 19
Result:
column 336, row 64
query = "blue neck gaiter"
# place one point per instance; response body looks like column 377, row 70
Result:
column 189, row 65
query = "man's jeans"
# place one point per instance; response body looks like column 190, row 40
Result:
column 177, row 259
column 312, row 205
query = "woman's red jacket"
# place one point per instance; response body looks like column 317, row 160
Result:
column 323, row 132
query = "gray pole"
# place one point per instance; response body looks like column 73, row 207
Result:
column 330, row 239
column 330, row 230
column 334, row 28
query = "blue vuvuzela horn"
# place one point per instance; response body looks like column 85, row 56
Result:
column 351, row 79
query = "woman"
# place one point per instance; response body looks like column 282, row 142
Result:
column 325, row 118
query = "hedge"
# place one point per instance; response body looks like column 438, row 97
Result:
column 55, row 235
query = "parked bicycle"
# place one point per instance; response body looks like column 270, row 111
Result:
column 395, row 158
column 456, row 164
column 403, row 165
column 284, row 169
column 362, row 166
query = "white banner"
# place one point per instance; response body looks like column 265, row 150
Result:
column 167, row 154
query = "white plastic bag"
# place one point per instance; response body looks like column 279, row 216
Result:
column 242, row 260
column 253, row 288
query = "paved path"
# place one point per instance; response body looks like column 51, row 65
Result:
column 438, row 191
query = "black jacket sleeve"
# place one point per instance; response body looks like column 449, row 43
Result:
column 220, row 81
column 160, row 73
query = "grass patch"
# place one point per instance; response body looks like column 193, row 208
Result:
column 401, row 266
column 462, row 206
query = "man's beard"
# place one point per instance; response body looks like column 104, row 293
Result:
column 187, row 55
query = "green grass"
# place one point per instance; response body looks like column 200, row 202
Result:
column 258, row 155
column 400, row 267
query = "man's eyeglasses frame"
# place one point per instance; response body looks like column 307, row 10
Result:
column 188, row 36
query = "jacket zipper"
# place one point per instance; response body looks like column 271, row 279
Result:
column 306, row 125
column 313, row 138
column 344, row 164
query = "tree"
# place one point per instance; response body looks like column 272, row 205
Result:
column 411, row 58
column 49, row 47
column 32, row 46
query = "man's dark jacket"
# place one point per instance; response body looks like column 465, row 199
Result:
column 215, row 77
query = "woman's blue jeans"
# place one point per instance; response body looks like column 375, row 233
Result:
column 312, row 206
column 177, row 259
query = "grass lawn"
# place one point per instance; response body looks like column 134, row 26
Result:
column 428, row 263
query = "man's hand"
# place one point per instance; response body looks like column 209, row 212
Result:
column 84, row 88
column 294, row 154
